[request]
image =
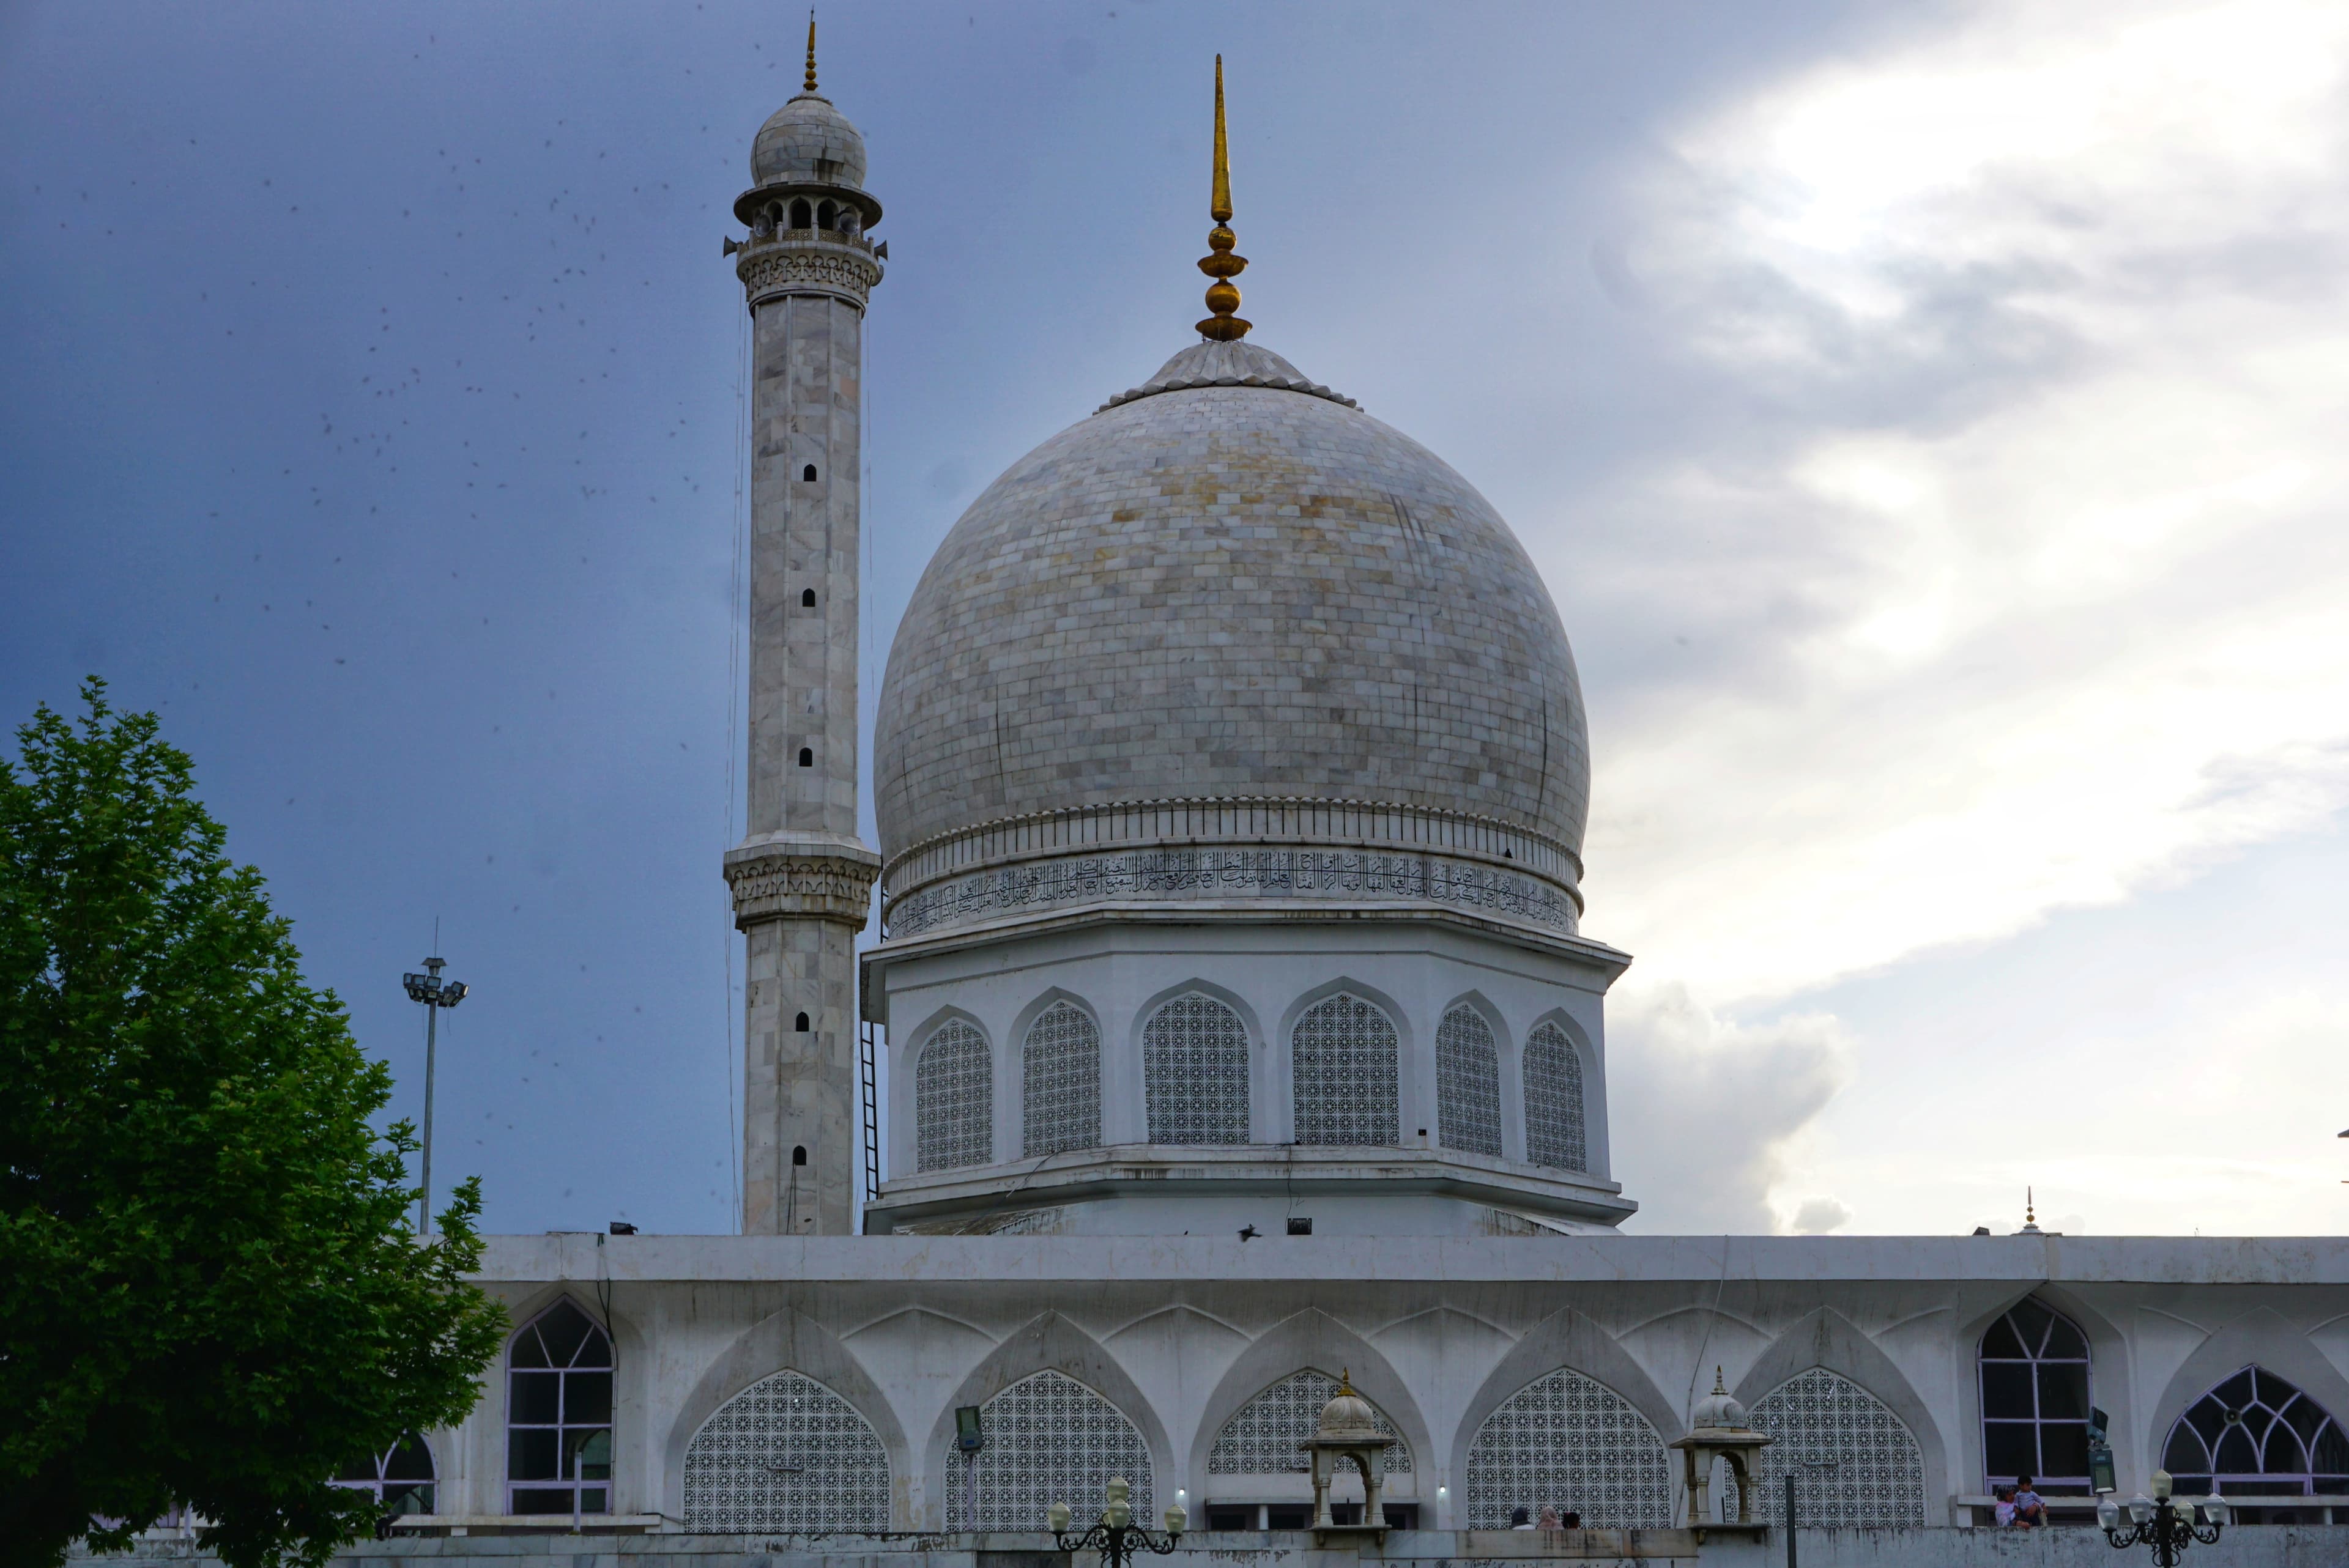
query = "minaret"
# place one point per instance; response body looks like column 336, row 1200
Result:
column 801, row 878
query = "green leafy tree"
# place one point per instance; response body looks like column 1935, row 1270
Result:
column 210, row 1293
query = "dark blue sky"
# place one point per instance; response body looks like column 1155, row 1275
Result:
column 372, row 396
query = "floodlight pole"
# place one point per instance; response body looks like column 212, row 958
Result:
column 435, row 994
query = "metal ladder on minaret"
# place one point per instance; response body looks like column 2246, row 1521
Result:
column 868, row 1071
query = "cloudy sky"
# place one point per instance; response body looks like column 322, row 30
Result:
column 1928, row 419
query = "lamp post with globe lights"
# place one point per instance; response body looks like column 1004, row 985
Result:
column 1115, row 1534
column 2162, row 1523
column 435, row 994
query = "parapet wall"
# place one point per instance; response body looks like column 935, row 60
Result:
column 2256, row 1546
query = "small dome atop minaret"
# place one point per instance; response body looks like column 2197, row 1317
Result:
column 808, row 141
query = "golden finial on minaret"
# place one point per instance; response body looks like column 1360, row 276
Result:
column 1223, row 296
column 811, row 68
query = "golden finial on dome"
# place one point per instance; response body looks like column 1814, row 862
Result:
column 1219, row 264
column 810, row 65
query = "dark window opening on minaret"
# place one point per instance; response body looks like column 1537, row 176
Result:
column 807, row 474
column 799, row 1153
column 801, row 215
column 801, row 1023
column 827, row 216
column 807, row 756
column 807, row 598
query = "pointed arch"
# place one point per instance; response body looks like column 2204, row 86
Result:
column 1195, row 1067
column 2262, row 1338
column 1265, row 1436
column 559, row 1369
column 1568, row 1441
column 954, row 1098
column 786, row 1454
column 784, row 1341
column 1345, row 1064
column 1818, row 1416
column 2257, row 1431
column 1060, row 1079
column 1468, row 1081
column 1311, row 1339
column 1557, row 1115
column 2033, row 1375
column 1565, row 1338
column 1047, row 1343
column 1824, row 1338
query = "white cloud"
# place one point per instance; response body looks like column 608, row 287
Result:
column 1704, row 1112
column 1817, row 1216
column 2029, row 592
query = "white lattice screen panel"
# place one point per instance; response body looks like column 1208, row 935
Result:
column 1880, row 1473
column 1049, row 1440
column 786, row 1454
column 954, row 1100
column 1554, row 1102
column 1060, row 1085
column 1262, row 1437
column 1194, row 1072
column 1467, row 1083
column 1342, row 1053
column 1572, row 1443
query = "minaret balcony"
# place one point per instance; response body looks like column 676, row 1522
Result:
column 807, row 261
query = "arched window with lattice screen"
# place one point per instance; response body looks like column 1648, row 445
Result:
column 1571, row 1442
column 1194, row 1072
column 1822, row 1418
column 1049, row 1440
column 1342, row 1058
column 1060, row 1082
column 1467, row 1083
column 1262, row 1436
column 1554, row 1132
column 786, row 1454
column 954, row 1100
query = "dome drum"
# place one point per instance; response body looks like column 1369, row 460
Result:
column 1327, row 853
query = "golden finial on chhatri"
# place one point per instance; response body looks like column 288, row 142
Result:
column 1223, row 297
column 810, row 67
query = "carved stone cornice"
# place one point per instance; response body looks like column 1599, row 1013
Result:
column 803, row 264
column 816, row 878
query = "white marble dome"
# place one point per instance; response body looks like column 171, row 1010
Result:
column 1230, row 608
column 808, row 141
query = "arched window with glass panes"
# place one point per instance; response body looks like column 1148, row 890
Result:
column 400, row 1477
column 2035, row 1400
column 559, row 1415
column 2255, row 1433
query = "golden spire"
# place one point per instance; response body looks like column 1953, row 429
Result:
column 1219, row 202
column 1223, row 297
column 811, row 68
